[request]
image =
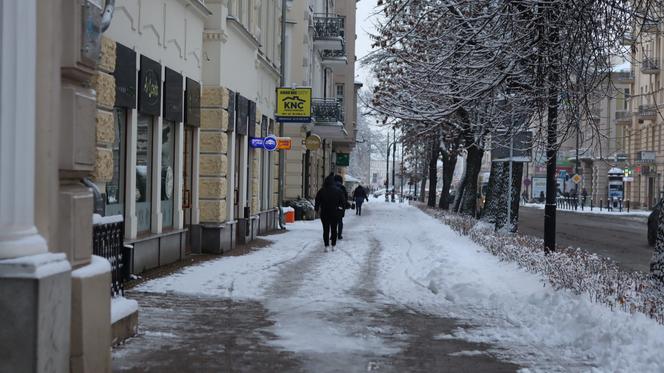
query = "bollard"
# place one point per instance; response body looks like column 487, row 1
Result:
column 620, row 205
column 601, row 203
column 627, row 206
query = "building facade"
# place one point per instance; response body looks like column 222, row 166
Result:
column 320, row 39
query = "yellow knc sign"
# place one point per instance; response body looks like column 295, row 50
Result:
column 294, row 104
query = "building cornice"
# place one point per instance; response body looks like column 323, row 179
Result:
column 200, row 7
column 235, row 23
column 215, row 35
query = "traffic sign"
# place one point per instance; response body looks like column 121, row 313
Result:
column 577, row 178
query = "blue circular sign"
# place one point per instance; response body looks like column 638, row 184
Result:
column 270, row 143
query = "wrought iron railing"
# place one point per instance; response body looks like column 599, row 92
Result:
column 623, row 116
column 327, row 110
column 647, row 111
column 339, row 53
column 108, row 242
column 649, row 64
column 327, row 26
column 623, row 76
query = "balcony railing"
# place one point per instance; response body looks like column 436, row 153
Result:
column 628, row 39
column 333, row 58
column 650, row 65
column 647, row 112
column 650, row 26
column 623, row 76
column 108, row 242
column 327, row 110
column 328, row 27
column 624, row 117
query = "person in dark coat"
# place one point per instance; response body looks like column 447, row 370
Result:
column 329, row 203
column 340, row 184
column 359, row 196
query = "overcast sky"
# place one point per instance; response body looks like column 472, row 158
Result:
column 364, row 25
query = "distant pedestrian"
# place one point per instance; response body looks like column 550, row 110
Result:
column 340, row 185
column 524, row 196
column 541, row 196
column 359, row 196
column 584, row 196
column 329, row 203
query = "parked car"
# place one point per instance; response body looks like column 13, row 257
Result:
column 652, row 223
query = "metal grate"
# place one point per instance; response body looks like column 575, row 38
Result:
column 108, row 242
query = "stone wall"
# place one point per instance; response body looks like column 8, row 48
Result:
column 104, row 84
column 213, row 167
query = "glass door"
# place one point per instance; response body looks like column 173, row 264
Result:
column 144, row 172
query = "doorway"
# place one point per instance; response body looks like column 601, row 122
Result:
column 187, row 185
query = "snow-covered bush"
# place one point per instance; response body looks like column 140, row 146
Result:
column 567, row 268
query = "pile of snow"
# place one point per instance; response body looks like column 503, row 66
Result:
column 597, row 278
column 122, row 307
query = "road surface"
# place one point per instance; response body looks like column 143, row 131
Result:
column 622, row 238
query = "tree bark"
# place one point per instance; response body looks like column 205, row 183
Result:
column 489, row 211
column 657, row 261
column 433, row 172
column 449, row 164
column 468, row 199
column 423, row 186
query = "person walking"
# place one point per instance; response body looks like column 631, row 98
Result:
column 329, row 203
column 359, row 196
column 340, row 185
column 584, row 196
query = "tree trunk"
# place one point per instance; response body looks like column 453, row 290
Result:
column 517, row 174
column 468, row 202
column 449, row 164
column 489, row 211
column 657, row 261
column 433, row 172
column 423, row 186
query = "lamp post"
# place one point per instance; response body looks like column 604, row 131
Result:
column 387, row 169
column 394, row 155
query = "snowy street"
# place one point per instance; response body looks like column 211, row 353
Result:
column 402, row 292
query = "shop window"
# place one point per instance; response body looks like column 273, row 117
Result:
column 144, row 171
column 167, row 172
column 115, row 188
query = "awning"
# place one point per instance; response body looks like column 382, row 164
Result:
column 330, row 131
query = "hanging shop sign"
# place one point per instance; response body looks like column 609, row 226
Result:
column 256, row 142
column 172, row 96
column 149, row 87
column 125, row 77
column 312, row 142
column 343, row 159
column 192, row 112
column 241, row 114
column 269, row 143
column 284, row 143
column 294, row 104
column 252, row 118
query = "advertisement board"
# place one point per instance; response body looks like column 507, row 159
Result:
column 538, row 186
column 294, row 104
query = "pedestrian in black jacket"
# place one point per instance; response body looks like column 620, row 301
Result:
column 329, row 203
column 359, row 196
column 340, row 184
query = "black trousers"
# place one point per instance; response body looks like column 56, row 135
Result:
column 358, row 207
column 340, row 222
column 329, row 230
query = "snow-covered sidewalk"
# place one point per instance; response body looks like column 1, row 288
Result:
column 404, row 292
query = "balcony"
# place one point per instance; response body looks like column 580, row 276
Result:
column 650, row 25
column 326, row 110
column 650, row 66
column 623, row 117
column 328, row 118
column 334, row 58
column 623, row 77
column 647, row 112
column 328, row 32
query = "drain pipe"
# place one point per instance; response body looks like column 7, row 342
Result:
column 107, row 15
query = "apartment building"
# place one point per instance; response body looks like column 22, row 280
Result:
column 643, row 128
column 320, row 39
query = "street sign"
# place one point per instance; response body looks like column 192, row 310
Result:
column 294, row 104
column 270, row 143
column 628, row 179
column 526, row 182
column 577, row 178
